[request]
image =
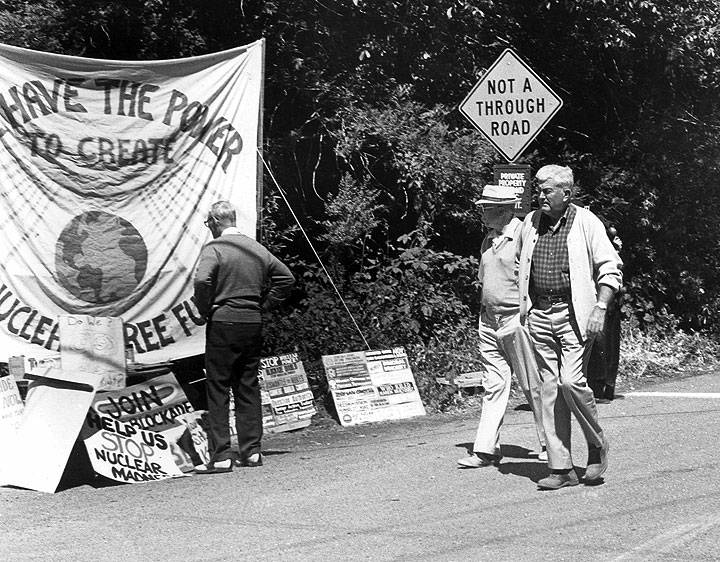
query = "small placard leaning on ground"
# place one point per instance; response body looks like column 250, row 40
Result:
column 287, row 401
column 370, row 386
column 473, row 379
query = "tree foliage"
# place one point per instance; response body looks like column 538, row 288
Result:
column 362, row 132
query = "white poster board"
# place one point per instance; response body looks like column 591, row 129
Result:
column 11, row 411
column 287, row 401
column 370, row 386
column 93, row 344
column 53, row 415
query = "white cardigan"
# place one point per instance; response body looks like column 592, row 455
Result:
column 593, row 262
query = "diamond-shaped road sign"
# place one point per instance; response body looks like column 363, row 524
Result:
column 510, row 105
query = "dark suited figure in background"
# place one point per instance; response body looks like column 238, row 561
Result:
column 236, row 280
column 605, row 356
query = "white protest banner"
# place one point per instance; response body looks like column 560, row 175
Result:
column 93, row 344
column 369, row 386
column 107, row 169
column 123, row 452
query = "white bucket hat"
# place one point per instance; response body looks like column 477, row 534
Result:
column 498, row 195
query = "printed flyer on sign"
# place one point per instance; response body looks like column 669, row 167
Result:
column 370, row 386
column 287, row 400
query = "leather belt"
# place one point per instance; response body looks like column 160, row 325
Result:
column 546, row 301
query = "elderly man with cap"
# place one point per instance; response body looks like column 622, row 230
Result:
column 568, row 274
column 505, row 345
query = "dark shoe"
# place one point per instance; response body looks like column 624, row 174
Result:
column 479, row 460
column 215, row 467
column 249, row 460
column 556, row 481
column 597, row 462
column 609, row 392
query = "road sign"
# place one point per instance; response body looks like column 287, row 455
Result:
column 510, row 105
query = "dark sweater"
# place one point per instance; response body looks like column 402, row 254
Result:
column 237, row 278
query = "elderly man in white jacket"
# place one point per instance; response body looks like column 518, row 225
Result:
column 568, row 273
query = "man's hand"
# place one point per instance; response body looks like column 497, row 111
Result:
column 596, row 323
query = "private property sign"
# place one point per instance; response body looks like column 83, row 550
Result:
column 510, row 105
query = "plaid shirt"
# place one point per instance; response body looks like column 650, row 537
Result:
column 550, row 268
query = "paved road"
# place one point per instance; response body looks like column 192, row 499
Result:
column 391, row 492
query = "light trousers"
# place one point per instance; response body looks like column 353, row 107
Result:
column 562, row 358
column 505, row 347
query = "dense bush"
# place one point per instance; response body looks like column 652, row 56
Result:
column 362, row 133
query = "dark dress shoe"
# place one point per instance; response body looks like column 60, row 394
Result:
column 597, row 462
column 556, row 481
column 250, row 460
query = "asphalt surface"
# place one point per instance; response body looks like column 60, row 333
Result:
column 391, row 491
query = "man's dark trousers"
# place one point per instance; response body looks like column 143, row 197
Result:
column 232, row 356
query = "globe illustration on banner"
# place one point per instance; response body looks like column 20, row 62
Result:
column 100, row 258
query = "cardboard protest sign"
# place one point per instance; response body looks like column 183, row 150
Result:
column 152, row 405
column 11, row 404
column 122, row 452
column 286, row 396
column 53, row 415
column 155, row 405
column 369, row 386
column 93, row 344
column 287, row 401
column 11, row 410
column 195, row 424
column 106, row 171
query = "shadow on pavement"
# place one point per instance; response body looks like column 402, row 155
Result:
column 533, row 471
column 271, row 452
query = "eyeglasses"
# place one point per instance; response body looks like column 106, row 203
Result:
column 208, row 220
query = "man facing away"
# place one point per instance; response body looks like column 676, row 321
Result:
column 505, row 346
column 235, row 281
column 568, row 274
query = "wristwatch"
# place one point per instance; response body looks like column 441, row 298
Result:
column 601, row 305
